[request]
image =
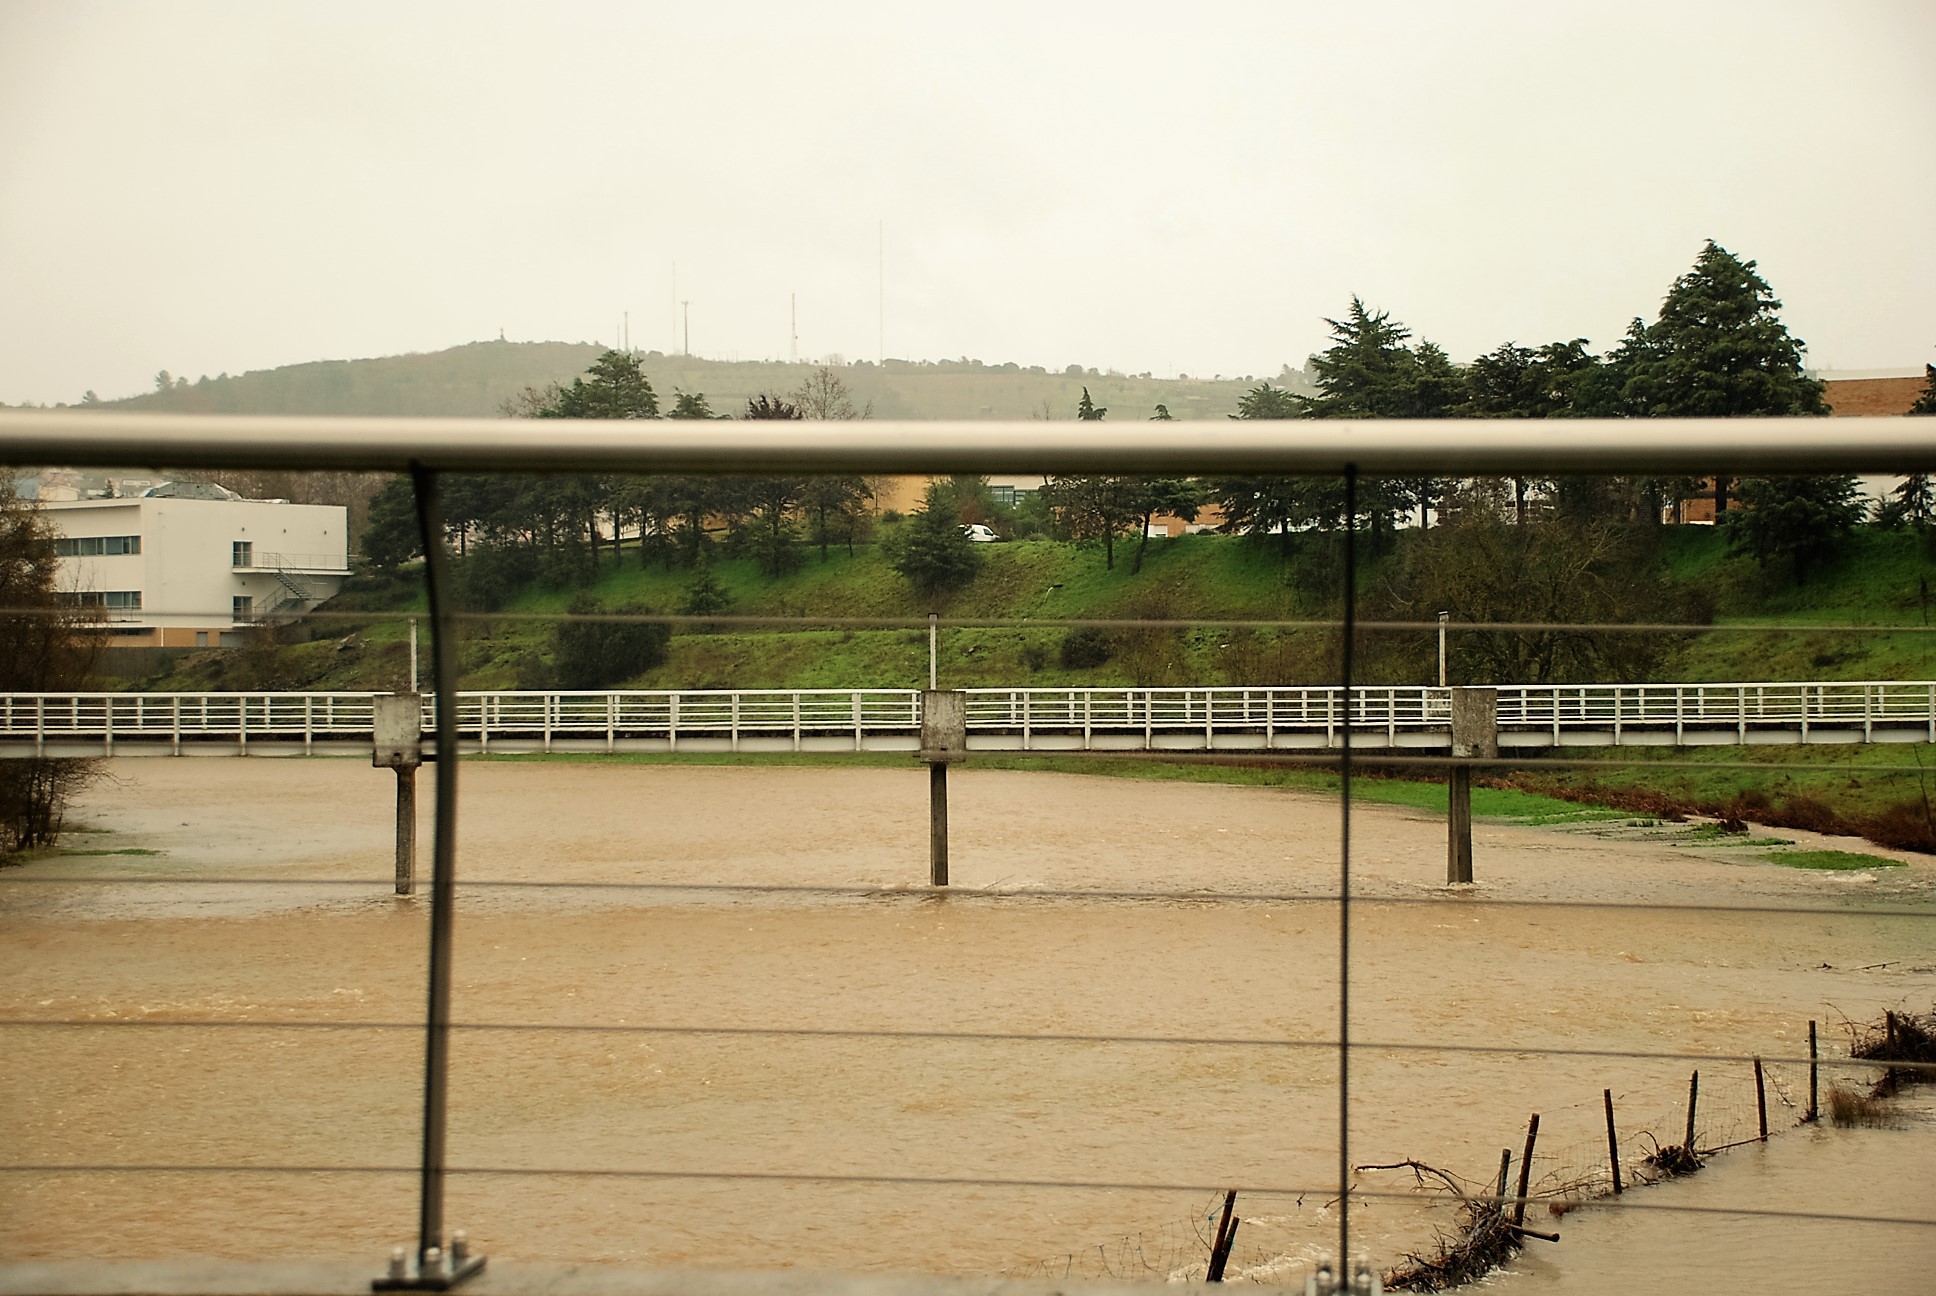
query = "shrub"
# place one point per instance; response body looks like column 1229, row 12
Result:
column 598, row 654
column 1085, row 648
column 491, row 576
column 533, row 673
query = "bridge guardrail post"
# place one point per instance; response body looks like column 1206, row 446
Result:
column 397, row 743
column 944, row 738
column 1475, row 735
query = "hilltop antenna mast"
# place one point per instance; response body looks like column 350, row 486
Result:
column 628, row 332
column 793, row 327
column 686, row 315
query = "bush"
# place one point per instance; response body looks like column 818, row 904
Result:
column 532, row 673
column 1084, row 649
column 599, row 654
column 491, row 576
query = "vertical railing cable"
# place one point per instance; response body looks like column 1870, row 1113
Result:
column 434, row 1267
column 1350, row 628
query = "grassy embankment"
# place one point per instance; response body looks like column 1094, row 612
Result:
column 1881, row 582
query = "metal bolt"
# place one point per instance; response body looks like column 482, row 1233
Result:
column 433, row 1260
column 460, row 1246
column 397, row 1262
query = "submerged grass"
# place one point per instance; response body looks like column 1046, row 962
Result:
column 1830, row 861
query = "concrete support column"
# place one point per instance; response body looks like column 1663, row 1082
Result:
column 406, row 828
column 397, row 743
column 938, row 823
column 1458, row 843
column 1475, row 735
column 944, row 738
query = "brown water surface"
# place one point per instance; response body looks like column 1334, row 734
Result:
column 682, row 1111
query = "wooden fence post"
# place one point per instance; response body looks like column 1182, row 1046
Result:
column 1525, row 1172
column 1814, row 1112
column 1613, row 1142
column 1761, row 1100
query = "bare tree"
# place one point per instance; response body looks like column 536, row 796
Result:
column 824, row 394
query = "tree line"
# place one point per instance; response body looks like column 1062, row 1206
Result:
column 1717, row 349
column 514, row 528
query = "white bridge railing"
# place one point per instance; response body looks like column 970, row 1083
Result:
column 999, row 719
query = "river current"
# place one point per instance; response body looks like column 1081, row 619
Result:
column 760, row 1078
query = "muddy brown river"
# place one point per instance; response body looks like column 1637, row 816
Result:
column 653, row 1071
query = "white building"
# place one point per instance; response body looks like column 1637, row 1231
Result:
column 189, row 565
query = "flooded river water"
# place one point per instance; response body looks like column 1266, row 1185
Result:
column 756, row 1075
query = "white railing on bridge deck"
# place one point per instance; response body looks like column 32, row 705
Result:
column 1257, row 713
column 998, row 718
column 671, row 715
column 1678, row 708
column 185, row 717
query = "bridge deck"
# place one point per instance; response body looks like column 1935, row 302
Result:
column 1292, row 718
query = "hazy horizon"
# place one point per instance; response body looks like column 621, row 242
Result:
column 210, row 187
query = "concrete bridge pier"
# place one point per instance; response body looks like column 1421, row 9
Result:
column 1475, row 736
column 398, row 745
column 944, row 738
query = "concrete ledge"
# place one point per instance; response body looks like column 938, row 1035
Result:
column 513, row 1278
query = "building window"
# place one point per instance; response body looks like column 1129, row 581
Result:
column 201, row 638
column 95, row 546
column 242, row 554
column 242, row 607
column 111, row 600
column 1003, row 495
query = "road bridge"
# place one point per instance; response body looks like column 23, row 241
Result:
column 1530, row 719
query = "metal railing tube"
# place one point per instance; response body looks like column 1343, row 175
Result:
column 1394, row 447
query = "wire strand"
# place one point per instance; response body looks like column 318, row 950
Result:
column 925, row 894
column 932, row 1181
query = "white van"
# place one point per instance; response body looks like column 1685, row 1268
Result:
column 979, row 534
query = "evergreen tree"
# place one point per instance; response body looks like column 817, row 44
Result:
column 1926, row 399
column 1087, row 410
column 704, row 595
column 1913, row 503
column 391, row 538
column 690, row 405
column 1800, row 521
column 930, row 549
column 1719, row 350
column 618, row 389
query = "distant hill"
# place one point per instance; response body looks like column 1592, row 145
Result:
column 474, row 379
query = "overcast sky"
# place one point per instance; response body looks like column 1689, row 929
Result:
column 209, row 187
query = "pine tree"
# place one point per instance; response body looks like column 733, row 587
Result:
column 930, row 550
column 1926, row 399
column 1087, row 410
column 1720, row 350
